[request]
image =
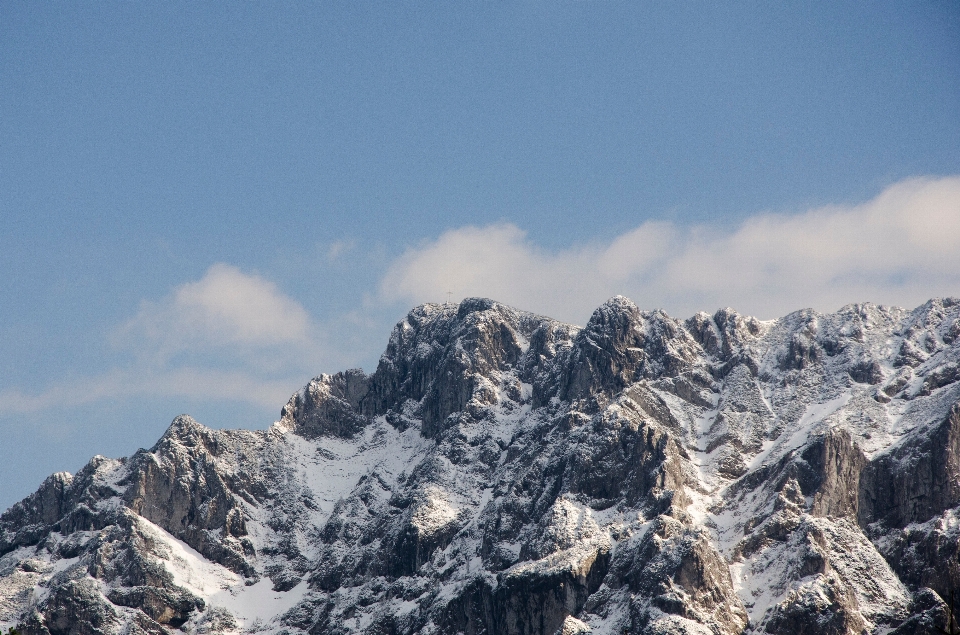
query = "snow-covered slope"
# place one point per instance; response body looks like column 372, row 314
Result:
column 504, row 473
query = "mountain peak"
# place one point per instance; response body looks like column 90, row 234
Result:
column 502, row 472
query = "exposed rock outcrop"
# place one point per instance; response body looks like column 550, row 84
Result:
column 504, row 473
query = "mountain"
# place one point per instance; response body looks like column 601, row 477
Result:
column 505, row 473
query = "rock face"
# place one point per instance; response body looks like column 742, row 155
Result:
column 502, row 473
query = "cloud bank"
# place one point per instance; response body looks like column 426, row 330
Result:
column 902, row 247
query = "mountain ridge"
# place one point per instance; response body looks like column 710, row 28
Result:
column 502, row 472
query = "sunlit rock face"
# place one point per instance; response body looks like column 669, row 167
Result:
column 505, row 473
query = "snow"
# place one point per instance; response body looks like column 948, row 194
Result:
column 782, row 407
column 331, row 466
column 813, row 415
column 217, row 585
column 188, row 567
column 257, row 601
column 434, row 513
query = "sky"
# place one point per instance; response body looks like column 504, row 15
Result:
column 204, row 205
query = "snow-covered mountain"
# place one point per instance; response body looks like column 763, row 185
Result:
column 504, row 473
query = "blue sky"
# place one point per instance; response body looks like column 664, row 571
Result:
column 203, row 205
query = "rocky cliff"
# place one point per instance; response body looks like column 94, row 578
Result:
column 503, row 473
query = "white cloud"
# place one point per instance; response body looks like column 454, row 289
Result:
column 235, row 336
column 902, row 247
column 228, row 336
column 224, row 308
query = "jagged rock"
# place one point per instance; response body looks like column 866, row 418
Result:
column 505, row 473
column 74, row 608
column 837, row 463
column 915, row 480
column 177, row 486
column 678, row 572
column 822, row 606
column 929, row 616
column 328, row 405
column 573, row 626
column 161, row 605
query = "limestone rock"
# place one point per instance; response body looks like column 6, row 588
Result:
column 504, row 473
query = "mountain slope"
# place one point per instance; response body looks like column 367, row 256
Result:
column 505, row 473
